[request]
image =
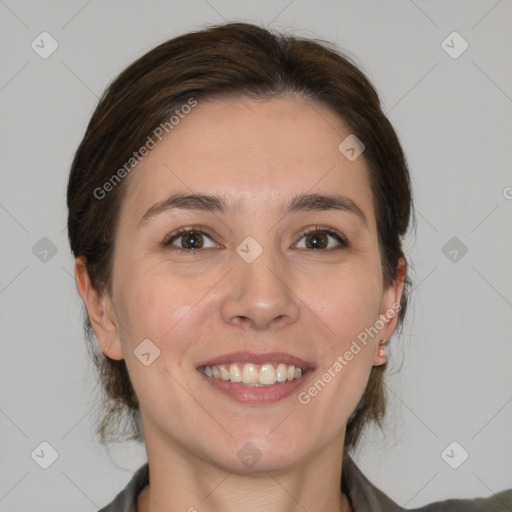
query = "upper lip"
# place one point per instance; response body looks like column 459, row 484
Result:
column 250, row 357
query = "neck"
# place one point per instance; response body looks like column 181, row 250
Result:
column 181, row 482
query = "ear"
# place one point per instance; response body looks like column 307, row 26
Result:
column 390, row 306
column 100, row 310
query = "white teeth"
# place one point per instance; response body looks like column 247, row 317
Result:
column 235, row 375
column 250, row 374
column 224, row 373
column 267, row 374
column 254, row 375
column 281, row 372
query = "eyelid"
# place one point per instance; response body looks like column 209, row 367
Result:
column 167, row 242
column 342, row 239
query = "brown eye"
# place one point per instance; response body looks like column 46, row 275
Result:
column 191, row 240
column 321, row 239
column 317, row 241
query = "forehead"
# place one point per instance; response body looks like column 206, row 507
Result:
column 259, row 152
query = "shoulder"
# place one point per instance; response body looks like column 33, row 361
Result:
column 365, row 497
column 501, row 502
column 126, row 500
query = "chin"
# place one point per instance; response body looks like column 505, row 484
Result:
column 252, row 454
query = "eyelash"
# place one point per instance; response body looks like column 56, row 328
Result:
column 176, row 235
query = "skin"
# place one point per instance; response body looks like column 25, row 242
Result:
column 311, row 303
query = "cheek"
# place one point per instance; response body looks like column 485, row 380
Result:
column 348, row 306
column 347, row 300
column 151, row 305
column 148, row 283
column 150, row 309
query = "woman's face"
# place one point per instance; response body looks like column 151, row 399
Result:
column 247, row 237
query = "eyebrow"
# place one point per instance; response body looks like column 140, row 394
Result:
column 299, row 203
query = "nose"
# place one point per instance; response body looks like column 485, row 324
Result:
column 259, row 296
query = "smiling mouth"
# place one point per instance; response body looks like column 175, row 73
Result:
column 253, row 375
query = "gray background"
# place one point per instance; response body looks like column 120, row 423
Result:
column 451, row 378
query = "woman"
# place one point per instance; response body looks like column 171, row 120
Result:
column 236, row 210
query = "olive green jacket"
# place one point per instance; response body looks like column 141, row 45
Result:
column 363, row 496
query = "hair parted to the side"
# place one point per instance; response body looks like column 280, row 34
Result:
column 228, row 60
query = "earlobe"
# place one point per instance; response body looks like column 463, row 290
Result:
column 100, row 311
column 381, row 357
column 390, row 307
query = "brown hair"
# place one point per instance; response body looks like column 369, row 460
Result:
column 233, row 59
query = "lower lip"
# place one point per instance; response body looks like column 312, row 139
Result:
column 254, row 394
